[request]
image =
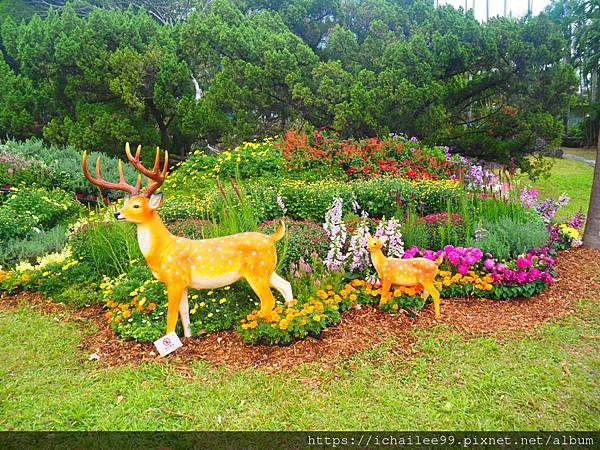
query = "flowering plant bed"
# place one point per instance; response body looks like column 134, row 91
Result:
column 497, row 243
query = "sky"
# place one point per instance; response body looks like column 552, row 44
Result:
column 517, row 7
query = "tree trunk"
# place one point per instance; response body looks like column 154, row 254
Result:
column 591, row 237
column 163, row 128
column 165, row 139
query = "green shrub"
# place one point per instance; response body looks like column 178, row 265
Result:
column 190, row 228
column 249, row 160
column 63, row 165
column 109, row 247
column 76, row 295
column 310, row 200
column 304, row 239
column 39, row 244
column 507, row 238
column 17, row 170
column 14, row 225
column 182, row 207
column 47, row 207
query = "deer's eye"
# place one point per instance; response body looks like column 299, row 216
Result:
column 136, row 206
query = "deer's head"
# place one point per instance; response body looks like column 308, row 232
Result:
column 139, row 207
column 374, row 244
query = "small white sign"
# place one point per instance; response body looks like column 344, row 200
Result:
column 168, row 343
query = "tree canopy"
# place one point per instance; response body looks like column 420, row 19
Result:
column 226, row 70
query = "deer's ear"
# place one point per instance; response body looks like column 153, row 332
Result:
column 155, row 201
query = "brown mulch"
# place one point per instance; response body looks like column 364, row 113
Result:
column 578, row 277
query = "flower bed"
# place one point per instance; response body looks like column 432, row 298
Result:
column 497, row 243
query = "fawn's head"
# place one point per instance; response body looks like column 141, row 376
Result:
column 374, row 244
column 139, row 207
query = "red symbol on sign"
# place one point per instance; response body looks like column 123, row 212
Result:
column 166, row 342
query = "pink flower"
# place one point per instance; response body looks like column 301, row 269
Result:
column 547, row 278
column 454, row 258
column 522, row 263
column 534, row 273
column 462, row 269
column 489, row 264
column 470, row 260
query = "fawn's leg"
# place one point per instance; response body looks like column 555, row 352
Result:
column 184, row 313
column 262, row 288
column 282, row 286
column 385, row 289
column 428, row 285
column 175, row 293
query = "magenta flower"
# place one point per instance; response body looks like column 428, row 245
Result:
column 462, row 269
column 470, row 260
column 534, row 274
column 489, row 264
column 547, row 278
column 522, row 263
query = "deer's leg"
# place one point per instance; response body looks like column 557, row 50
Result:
column 175, row 293
column 385, row 288
column 430, row 289
column 263, row 289
column 184, row 313
column 282, row 286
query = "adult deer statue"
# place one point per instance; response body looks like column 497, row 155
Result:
column 183, row 263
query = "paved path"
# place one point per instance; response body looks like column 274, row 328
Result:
column 591, row 162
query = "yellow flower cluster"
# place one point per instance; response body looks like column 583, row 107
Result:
column 480, row 281
column 367, row 288
column 123, row 310
column 569, row 231
column 281, row 318
column 199, row 167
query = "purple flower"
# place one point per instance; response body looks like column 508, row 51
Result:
column 547, row 278
column 413, row 139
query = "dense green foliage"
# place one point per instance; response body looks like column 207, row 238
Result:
column 96, row 77
column 579, row 21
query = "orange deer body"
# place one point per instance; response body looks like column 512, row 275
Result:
column 183, row 263
column 404, row 272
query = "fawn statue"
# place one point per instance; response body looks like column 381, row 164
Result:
column 404, row 272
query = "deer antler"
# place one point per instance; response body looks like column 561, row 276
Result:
column 155, row 177
column 98, row 181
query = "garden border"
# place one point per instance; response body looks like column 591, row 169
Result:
column 469, row 316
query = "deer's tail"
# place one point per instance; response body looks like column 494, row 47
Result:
column 439, row 259
column 280, row 232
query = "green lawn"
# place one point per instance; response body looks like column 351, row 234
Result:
column 567, row 176
column 544, row 380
